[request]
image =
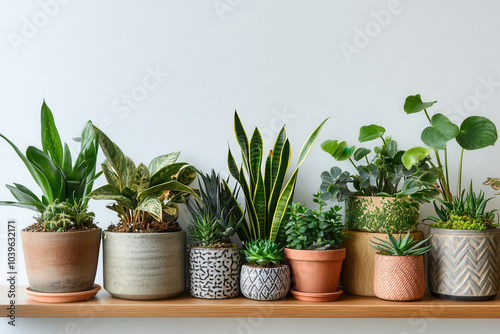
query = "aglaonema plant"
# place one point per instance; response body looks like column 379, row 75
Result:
column 267, row 194
column 64, row 184
column 475, row 132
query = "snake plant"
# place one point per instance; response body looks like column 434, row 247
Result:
column 267, row 194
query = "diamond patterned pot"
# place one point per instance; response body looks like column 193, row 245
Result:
column 265, row 283
column 214, row 273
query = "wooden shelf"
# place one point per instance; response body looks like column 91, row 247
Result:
column 103, row 305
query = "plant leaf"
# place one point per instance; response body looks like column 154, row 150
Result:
column 114, row 154
column 477, row 132
column 414, row 104
column 370, row 132
column 165, row 173
column 140, row 178
column 309, row 143
column 41, row 161
column 168, row 186
column 414, row 155
column 51, row 142
column 440, row 132
column 152, row 205
column 361, row 153
column 163, row 160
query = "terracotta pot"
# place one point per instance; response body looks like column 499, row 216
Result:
column 315, row 271
column 381, row 214
column 214, row 273
column 399, row 278
column 464, row 264
column 61, row 261
column 357, row 271
column 265, row 283
column 144, row 266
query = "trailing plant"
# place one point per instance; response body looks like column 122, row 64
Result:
column 384, row 174
column 403, row 246
column 217, row 217
column 466, row 212
column 63, row 216
column 60, row 180
column 314, row 229
column 475, row 132
column 267, row 194
column 263, row 253
column 143, row 195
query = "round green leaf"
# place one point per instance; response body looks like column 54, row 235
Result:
column 414, row 104
column 361, row 153
column 477, row 132
column 441, row 131
column 414, row 155
column 344, row 152
column 330, row 146
column 370, row 132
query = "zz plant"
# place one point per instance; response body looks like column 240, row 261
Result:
column 384, row 174
column 267, row 194
column 143, row 194
column 64, row 183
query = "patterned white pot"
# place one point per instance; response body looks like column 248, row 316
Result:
column 265, row 283
column 214, row 273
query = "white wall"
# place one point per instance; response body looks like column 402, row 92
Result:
column 274, row 61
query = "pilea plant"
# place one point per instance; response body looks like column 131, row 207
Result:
column 382, row 175
column 63, row 184
column 314, row 229
column 144, row 195
column 268, row 194
column 263, row 253
column 403, row 246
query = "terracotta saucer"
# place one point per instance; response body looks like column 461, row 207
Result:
column 62, row 297
column 317, row 296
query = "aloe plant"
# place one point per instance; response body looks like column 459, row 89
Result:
column 403, row 246
column 475, row 132
column 60, row 180
column 141, row 192
column 268, row 194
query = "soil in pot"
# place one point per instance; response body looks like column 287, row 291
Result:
column 214, row 273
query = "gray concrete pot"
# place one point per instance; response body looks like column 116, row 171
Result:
column 144, row 266
column 214, row 273
column 265, row 283
column 464, row 264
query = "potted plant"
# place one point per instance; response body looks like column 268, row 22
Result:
column 314, row 251
column 399, row 272
column 215, row 262
column 144, row 253
column 382, row 195
column 61, row 248
column 463, row 262
column 264, row 277
column 267, row 195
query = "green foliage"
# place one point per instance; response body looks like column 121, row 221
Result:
column 62, row 216
column 314, row 229
column 403, row 246
column 268, row 194
column 52, row 169
column 263, row 253
column 384, row 174
column 218, row 216
column 467, row 212
column 493, row 182
column 474, row 133
column 143, row 193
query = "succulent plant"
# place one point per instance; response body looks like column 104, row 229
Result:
column 314, row 229
column 263, row 253
column 403, row 246
column 62, row 216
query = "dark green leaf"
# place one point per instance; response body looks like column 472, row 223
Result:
column 414, row 104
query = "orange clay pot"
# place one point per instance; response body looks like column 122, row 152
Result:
column 399, row 278
column 315, row 272
column 61, row 261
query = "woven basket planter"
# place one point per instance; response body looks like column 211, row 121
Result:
column 464, row 264
column 399, row 278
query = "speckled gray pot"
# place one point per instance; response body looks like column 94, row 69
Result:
column 214, row 273
column 265, row 283
column 144, row 266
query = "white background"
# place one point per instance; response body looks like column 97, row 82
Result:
column 275, row 62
